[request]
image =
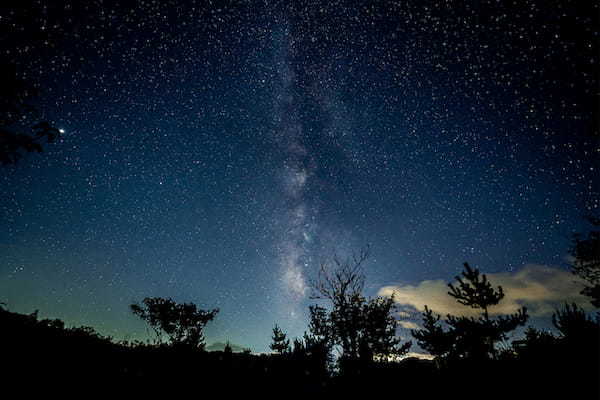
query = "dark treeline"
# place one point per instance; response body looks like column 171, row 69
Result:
column 350, row 348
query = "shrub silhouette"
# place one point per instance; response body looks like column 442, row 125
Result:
column 183, row 323
column 575, row 326
column 572, row 355
column 586, row 264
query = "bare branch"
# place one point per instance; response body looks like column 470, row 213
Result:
column 340, row 278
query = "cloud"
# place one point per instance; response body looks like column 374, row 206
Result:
column 422, row 356
column 540, row 288
column 410, row 354
column 408, row 325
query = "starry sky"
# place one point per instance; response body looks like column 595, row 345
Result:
column 218, row 151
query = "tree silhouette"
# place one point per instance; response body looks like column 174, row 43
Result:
column 361, row 328
column 183, row 323
column 537, row 345
column 228, row 349
column 469, row 337
column 586, row 264
column 475, row 291
column 281, row 343
column 574, row 325
column 311, row 355
column 578, row 346
column 17, row 133
column 433, row 338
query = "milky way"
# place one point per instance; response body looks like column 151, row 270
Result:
column 295, row 172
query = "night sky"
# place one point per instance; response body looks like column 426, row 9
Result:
column 217, row 151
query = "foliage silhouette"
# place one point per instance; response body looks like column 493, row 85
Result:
column 542, row 365
column 586, row 264
column 571, row 356
column 433, row 338
column 310, row 355
column 280, row 343
column 183, row 323
column 469, row 337
column 475, row 291
column 361, row 329
column 17, row 133
column 574, row 325
column 52, row 355
column 536, row 345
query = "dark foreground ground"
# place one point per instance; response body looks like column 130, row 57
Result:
column 43, row 359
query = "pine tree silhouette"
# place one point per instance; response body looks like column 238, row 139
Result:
column 586, row 264
column 469, row 337
column 281, row 343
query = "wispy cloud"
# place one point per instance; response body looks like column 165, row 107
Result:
column 541, row 288
column 408, row 325
column 422, row 356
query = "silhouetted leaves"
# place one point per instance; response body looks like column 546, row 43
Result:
column 433, row 338
column 574, row 324
column 281, row 343
column 183, row 323
column 469, row 337
column 586, row 264
column 475, row 291
column 18, row 134
column 362, row 329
